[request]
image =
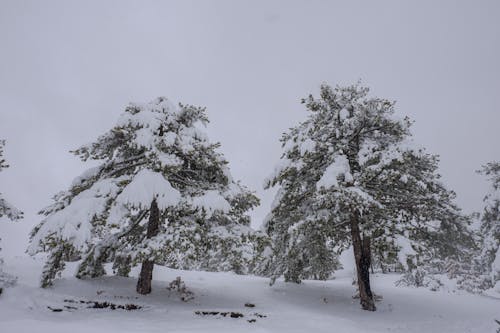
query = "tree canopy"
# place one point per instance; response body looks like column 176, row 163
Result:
column 157, row 154
column 350, row 174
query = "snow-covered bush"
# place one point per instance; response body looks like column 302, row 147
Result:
column 179, row 286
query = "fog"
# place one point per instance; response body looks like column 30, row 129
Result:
column 68, row 69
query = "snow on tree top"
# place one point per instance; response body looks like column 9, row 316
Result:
column 150, row 127
column 149, row 113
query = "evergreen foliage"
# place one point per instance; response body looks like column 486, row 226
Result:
column 13, row 214
column 156, row 155
column 6, row 209
column 351, row 175
column 484, row 273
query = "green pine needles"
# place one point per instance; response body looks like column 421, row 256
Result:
column 156, row 158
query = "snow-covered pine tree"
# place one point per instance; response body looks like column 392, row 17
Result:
column 490, row 226
column 13, row 214
column 485, row 270
column 6, row 209
column 350, row 175
column 161, row 194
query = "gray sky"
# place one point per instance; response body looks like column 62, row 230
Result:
column 68, row 68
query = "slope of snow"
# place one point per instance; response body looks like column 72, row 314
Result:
column 313, row 306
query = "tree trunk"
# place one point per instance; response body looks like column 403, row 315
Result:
column 146, row 275
column 362, row 256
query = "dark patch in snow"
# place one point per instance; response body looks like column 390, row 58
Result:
column 125, row 297
column 207, row 313
column 112, row 306
column 250, row 305
column 54, row 309
column 96, row 305
column 231, row 314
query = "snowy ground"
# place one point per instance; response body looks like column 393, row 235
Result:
column 313, row 306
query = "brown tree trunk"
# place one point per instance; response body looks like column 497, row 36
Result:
column 146, row 275
column 362, row 256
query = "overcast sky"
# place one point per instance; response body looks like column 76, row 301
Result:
column 68, row 68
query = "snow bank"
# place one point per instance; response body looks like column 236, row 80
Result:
column 312, row 306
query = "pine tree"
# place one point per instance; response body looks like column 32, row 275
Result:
column 12, row 213
column 6, row 209
column 490, row 227
column 351, row 176
column 161, row 194
column 484, row 273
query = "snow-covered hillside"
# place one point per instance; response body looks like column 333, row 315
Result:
column 312, row 306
